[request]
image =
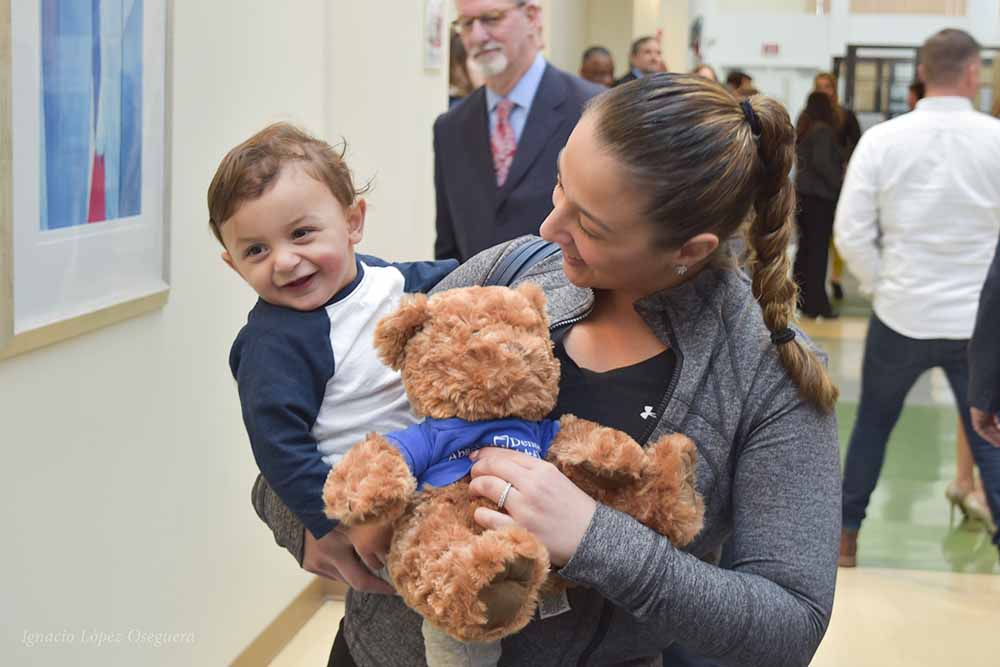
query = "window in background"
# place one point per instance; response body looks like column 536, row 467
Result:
column 936, row 7
column 818, row 7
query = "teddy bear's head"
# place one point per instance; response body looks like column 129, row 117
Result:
column 476, row 353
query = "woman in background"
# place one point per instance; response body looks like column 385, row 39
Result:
column 820, row 173
column 848, row 135
column 460, row 80
column 705, row 71
column 965, row 492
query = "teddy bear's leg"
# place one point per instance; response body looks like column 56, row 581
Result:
column 443, row 650
column 475, row 584
column 594, row 456
column 666, row 498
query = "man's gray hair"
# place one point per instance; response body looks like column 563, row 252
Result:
column 945, row 54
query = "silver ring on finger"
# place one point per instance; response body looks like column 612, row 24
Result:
column 503, row 496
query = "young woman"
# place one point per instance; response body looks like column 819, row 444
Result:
column 848, row 135
column 658, row 332
column 819, row 175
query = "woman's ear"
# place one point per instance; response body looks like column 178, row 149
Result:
column 394, row 331
column 698, row 248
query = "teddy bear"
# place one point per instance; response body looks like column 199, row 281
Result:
column 478, row 364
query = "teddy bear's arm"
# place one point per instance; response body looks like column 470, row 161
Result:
column 586, row 451
column 371, row 484
column 656, row 486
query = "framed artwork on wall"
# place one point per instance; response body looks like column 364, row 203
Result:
column 83, row 166
column 434, row 34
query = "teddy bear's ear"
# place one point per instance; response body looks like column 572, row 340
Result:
column 395, row 330
column 535, row 296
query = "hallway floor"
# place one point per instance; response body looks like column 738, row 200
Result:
column 926, row 590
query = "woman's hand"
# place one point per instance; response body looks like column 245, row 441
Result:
column 987, row 426
column 333, row 556
column 542, row 499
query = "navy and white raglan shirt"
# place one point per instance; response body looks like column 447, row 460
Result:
column 437, row 450
column 311, row 384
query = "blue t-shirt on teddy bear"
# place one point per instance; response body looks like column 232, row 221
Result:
column 437, row 450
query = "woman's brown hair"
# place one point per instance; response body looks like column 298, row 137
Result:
column 831, row 78
column 818, row 111
column 688, row 143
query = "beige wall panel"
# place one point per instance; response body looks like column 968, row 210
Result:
column 566, row 23
column 610, row 25
column 936, row 7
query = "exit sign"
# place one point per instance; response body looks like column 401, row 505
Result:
column 770, row 49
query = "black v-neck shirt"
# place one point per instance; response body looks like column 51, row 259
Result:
column 627, row 399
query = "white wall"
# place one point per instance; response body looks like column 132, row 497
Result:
column 610, row 26
column 125, row 465
column 565, row 32
column 380, row 97
column 645, row 17
column 675, row 20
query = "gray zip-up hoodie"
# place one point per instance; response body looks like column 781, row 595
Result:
column 768, row 471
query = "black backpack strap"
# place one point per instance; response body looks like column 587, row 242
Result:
column 511, row 267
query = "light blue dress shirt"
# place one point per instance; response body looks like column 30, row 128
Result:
column 522, row 96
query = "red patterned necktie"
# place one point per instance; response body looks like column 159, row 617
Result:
column 503, row 142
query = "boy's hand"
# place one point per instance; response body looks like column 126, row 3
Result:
column 371, row 542
column 333, row 557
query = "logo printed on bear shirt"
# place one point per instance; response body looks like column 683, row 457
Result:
column 528, row 447
column 524, row 446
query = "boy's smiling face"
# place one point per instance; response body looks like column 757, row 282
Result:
column 295, row 243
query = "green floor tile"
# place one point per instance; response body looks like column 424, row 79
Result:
column 909, row 523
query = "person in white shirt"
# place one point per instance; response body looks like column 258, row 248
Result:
column 917, row 220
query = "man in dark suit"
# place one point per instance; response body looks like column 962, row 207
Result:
column 984, row 359
column 495, row 152
column 645, row 58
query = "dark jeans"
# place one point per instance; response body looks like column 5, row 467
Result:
column 892, row 364
column 815, row 223
column 340, row 655
column 678, row 656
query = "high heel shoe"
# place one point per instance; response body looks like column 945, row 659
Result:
column 970, row 505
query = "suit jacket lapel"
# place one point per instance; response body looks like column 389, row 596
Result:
column 543, row 118
column 475, row 142
column 473, row 153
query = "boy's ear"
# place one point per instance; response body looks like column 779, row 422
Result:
column 394, row 331
column 228, row 259
column 356, row 220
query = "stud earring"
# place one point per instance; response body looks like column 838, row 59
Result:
column 680, row 269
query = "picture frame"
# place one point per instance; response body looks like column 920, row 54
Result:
column 435, row 34
column 84, row 165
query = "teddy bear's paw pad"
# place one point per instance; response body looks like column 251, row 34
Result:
column 596, row 453
column 605, row 477
column 506, row 593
